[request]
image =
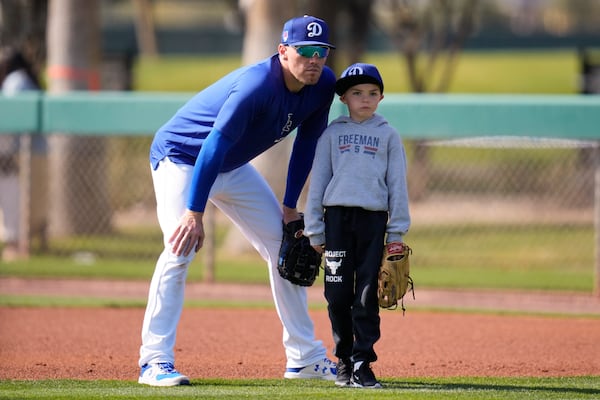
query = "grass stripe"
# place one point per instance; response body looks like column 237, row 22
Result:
column 394, row 388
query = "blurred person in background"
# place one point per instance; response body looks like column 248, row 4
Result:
column 16, row 75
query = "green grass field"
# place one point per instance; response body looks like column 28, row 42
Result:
column 525, row 72
column 406, row 389
column 457, row 262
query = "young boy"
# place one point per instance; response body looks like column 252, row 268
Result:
column 357, row 201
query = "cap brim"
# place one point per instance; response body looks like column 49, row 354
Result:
column 312, row 43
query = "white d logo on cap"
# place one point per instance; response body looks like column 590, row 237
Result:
column 314, row 29
column 356, row 71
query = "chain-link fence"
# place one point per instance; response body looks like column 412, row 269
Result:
column 504, row 202
column 477, row 202
column 503, row 182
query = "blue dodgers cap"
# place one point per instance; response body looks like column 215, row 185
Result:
column 306, row 30
column 355, row 75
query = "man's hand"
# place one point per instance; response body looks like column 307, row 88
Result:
column 189, row 234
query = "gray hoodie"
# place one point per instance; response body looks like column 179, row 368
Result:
column 359, row 165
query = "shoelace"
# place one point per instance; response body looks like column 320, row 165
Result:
column 167, row 367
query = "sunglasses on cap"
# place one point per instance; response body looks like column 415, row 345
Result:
column 311, row 51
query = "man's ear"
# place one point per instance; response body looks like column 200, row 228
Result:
column 282, row 50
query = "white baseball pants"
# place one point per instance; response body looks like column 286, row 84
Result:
column 246, row 198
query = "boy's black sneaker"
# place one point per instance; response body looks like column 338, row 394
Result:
column 364, row 377
column 344, row 372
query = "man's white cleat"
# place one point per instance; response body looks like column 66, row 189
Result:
column 162, row 374
column 324, row 369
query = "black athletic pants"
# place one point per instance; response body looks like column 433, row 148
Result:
column 354, row 239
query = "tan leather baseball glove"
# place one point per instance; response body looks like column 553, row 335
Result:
column 394, row 275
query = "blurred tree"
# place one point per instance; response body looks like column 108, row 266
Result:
column 585, row 14
column 437, row 31
column 78, row 201
column 145, row 28
column 264, row 20
column 350, row 17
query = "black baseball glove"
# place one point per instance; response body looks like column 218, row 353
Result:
column 298, row 262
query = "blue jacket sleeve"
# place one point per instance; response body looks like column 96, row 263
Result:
column 300, row 164
column 303, row 153
column 207, row 167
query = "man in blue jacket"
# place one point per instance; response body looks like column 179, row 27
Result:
column 202, row 154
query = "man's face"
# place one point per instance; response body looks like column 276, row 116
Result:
column 304, row 64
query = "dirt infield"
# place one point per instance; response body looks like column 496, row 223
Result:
column 102, row 343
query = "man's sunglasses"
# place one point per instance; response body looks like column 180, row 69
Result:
column 311, row 51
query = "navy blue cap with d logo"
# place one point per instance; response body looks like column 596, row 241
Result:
column 306, row 30
column 356, row 74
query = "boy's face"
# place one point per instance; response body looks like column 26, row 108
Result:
column 362, row 100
